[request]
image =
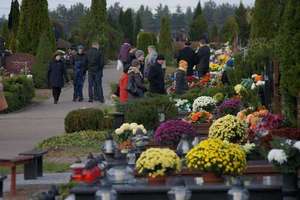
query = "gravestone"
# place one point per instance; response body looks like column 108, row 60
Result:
column 19, row 62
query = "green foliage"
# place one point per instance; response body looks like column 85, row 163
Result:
column 146, row 39
column 198, row 28
column 289, row 51
column 13, row 17
column 243, row 25
column 40, row 68
column 146, row 111
column 165, row 39
column 198, row 10
column 138, row 26
column 127, row 25
column 83, row 139
column 84, row 119
column 34, row 21
column 214, row 34
column 114, row 40
column 230, row 29
column 97, row 20
column 4, row 32
column 18, row 91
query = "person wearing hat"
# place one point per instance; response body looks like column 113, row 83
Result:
column 80, row 68
column 57, row 75
column 156, row 76
column 135, row 85
column 181, row 85
column 188, row 55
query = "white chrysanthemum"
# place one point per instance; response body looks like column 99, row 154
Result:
column 125, row 126
column 253, row 86
column 29, row 76
column 254, row 75
column 118, row 131
column 133, row 126
column 277, row 155
column 260, row 83
column 297, row 145
column 202, row 102
column 248, row 147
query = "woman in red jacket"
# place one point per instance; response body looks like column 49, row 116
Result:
column 123, row 83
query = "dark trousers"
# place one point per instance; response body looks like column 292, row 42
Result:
column 56, row 93
column 78, row 86
column 95, row 87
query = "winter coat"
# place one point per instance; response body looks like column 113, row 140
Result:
column 188, row 55
column 180, row 83
column 124, row 53
column 202, row 59
column 123, row 83
column 3, row 103
column 57, row 73
column 156, row 79
column 95, row 61
column 149, row 61
column 135, row 76
column 81, row 61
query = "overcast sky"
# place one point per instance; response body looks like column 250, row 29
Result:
column 5, row 4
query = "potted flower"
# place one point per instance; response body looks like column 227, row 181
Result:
column 228, row 128
column 183, row 106
column 124, row 134
column 229, row 107
column 201, row 121
column 215, row 158
column 204, row 103
column 285, row 156
column 169, row 133
column 157, row 163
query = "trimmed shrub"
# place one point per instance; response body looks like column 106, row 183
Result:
column 18, row 91
column 84, row 119
column 83, row 139
column 144, row 39
column 146, row 111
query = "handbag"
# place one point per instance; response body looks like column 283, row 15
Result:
column 120, row 65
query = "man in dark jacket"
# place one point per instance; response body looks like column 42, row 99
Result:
column 188, row 55
column 202, row 58
column 95, row 71
column 156, row 76
column 80, row 67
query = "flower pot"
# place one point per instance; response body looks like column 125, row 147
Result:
column 202, row 128
column 159, row 180
column 289, row 186
column 210, row 177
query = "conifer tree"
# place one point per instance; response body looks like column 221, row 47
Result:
column 34, row 21
column 198, row 28
column 138, row 26
column 165, row 38
column 242, row 21
column 289, row 48
column 230, row 30
column 13, row 17
column 197, row 11
column 4, row 32
column 214, row 33
column 40, row 68
column 128, row 28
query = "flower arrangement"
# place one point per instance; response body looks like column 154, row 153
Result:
column 205, row 79
column 230, row 106
column 127, row 130
column 228, row 128
column 217, row 156
column 215, row 67
column 204, row 103
column 183, row 105
column 170, row 132
column 219, row 97
column 240, row 89
column 258, row 81
column 156, row 162
column 199, row 117
column 285, row 155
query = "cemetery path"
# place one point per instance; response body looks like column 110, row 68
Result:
column 21, row 131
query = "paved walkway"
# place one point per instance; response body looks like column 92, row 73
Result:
column 22, row 130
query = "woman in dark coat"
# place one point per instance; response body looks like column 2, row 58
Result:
column 156, row 77
column 135, row 87
column 181, row 85
column 56, row 75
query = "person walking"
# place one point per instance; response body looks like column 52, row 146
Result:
column 188, row 55
column 95, row 73
column 150, row 59
column 80, row 67
column 202, row 58
column 135, row 86
column 156, row 76
column 57, row 75
column 181, row 85
column 3, row 102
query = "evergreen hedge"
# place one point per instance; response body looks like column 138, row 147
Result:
column 18, row 91
column 84, row 119
column 145, row 39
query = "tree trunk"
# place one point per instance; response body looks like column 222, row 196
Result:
column 276, row 83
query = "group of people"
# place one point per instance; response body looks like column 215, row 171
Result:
column 136, row 68
column 91, row 62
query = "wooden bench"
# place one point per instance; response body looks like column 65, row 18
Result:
column 2, row 178
column 12, row 164
column 34, row 169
